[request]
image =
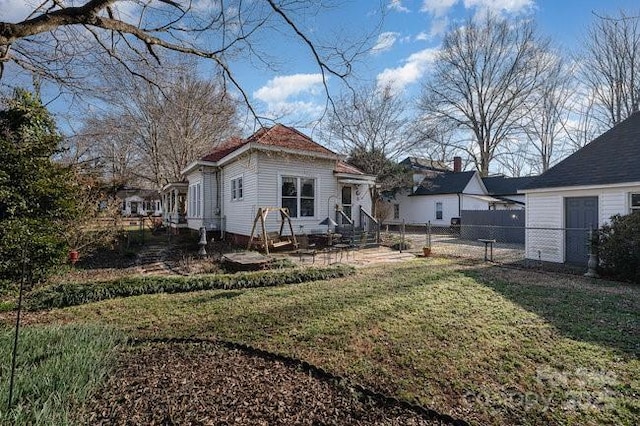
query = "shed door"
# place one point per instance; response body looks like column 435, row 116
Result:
column 581, row 213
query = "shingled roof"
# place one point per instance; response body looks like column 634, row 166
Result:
column 613, row 157
column 445, row 183
column 277, row 136
column 418, row 163
column 502, row 185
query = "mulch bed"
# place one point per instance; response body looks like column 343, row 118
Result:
column 207, row 384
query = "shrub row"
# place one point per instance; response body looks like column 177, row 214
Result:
column 70, row 294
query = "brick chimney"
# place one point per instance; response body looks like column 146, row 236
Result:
column 457, row 164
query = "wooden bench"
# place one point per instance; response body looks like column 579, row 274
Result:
column 276, row 241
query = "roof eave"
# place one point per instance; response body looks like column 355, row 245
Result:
column 578, row 187
column 195, row 164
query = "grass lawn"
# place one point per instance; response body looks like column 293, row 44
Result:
column 488, row 345
column 57, row 368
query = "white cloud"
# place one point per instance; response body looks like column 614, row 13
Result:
column 397, row 6
column 385, row 42
column 413, row 69
column 291, row 94
column 422, row 36
column 512, row 7
column 279, row 89
column 438, row 7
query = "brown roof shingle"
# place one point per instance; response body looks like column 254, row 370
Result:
column 278, row 135
column 342, row 167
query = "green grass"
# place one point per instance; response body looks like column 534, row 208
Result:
column 57, row 368
column 488, row 345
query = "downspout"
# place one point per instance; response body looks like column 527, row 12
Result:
column 459, row 203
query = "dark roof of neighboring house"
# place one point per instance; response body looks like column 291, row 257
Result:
column 445, row 183
column 613, row 157
column 417, row 163
column 502, row 185
column 278, row 136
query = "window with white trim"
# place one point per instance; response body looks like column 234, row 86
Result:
column 236, row 189
column 635, row 202
column 439, row 210
column 396, row 211
column 298, row 194
column 195, row 201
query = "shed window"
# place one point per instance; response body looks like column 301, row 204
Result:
column 635, row 202
column 438, row 211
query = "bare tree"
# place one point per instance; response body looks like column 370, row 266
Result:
column 548, row 111
column 611, row 65
column 483, row 74
column 149, row 135
column 60, row 39
column 371, row 126
column 370, row 120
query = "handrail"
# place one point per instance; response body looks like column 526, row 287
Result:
column 344, row 216
column 363, row 211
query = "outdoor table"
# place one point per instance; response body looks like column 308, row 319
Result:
column 487, row 243
column 341, row 248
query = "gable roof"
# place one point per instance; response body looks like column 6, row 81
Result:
column 418, row 163
column 278, row 136
column 445, row 183
column 223, row 150
column 502, row 185
column 346, row 168
column 611, row 158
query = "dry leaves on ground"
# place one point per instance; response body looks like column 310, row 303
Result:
column 206, row 384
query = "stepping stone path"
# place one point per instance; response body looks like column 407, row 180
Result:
column 151, row 260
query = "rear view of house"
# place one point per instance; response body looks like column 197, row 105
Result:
column 583, row 191
column 275, row 167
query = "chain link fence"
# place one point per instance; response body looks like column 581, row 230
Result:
column 499, row 244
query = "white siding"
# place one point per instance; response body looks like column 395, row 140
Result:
column 239, row 214
column 273, row 166
column 473, row 203
column 421, row 209
column 546, row 210
column 475, row 186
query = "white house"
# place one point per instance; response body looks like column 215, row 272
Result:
column 583, row 191
column 139, row 202
column 505, row 189
column 274, row 167
column 440, row 195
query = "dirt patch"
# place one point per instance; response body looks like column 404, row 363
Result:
column 207, row 384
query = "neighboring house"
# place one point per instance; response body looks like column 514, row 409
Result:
column 139, row 202
column 274, row 167
column 439, row 195
column 174, row 204
column 583, row 191
column 505, row 190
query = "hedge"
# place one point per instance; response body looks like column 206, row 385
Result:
column 70, row 294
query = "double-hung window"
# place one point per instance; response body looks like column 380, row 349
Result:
column 236, row 188
column 195, row 200
column 396, row 211
column 635, row 202
column 438, row 210
column 298, row 194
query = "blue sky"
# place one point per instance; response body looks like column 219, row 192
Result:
column 406, row 43
column 409, row 38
